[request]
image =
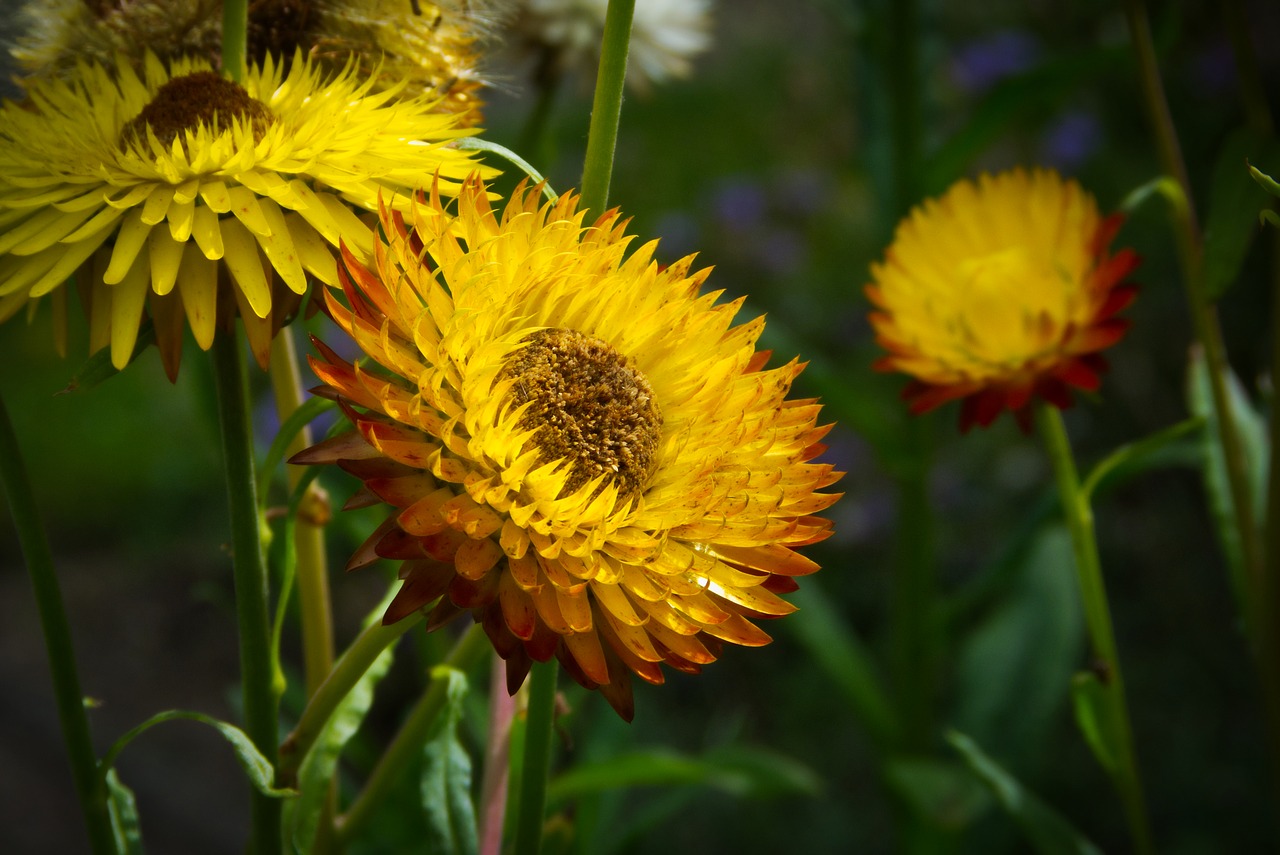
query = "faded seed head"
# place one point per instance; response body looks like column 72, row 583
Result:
column 199, row 98
column 588, row 406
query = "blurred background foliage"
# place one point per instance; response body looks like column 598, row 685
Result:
column 773, row 163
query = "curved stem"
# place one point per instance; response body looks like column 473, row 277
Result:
column 1097, row 615
column 606, row 108
column 408, row 742
column 57, row 640
column 348, row 670
column 537, row 758
column 250, row 575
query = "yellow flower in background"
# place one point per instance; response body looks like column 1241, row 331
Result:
column 1000, row 290
column 581, row 449
column 182, row 194
column 420, row 48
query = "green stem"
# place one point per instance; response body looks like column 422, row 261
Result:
column 235, row 30
column 250, row 575
column 606, row 109
column 348, row 670
column 1097, row 615
column 312, row 566
column 57, row 640
column 408, row 742
column 537, row 758
column 903, row 73
column 1204, row 315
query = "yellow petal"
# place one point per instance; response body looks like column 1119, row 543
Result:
column 198, row 285
column 157, row 204
column 215, row 195
column 181, row 218
column 68, row 261
column 245, row 266
column 40, row 231
column 129, row 241
column 166, row 259
column 317, row 257
column 244, row 204
column 205, row 229
column 278, row 246
column 126, row 310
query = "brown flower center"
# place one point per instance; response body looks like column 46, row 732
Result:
column 588, row 406
column 200, row 98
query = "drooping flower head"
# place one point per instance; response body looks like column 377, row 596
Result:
column 665, row 36
column 180, row 193
column 998, row 291
column 580, row 448
column 421, row 48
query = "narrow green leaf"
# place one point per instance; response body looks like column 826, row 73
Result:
column 298, row 419
column 1233, row 208
column 480, row 144
column 741, row 772
column 1095, row 716
column 257, row 767
column 1265, row 181
column 1252, row 428
column 1045, row 829
column 1013, row 668
column 943, row 792
column 446, row 774
column 124, row 816
column 841, row 654
column 97, row 369
column 302, row 816
column 1146, row 453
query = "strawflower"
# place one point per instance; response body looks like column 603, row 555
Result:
column 999, row 291
column 419, row 48
column 580, row 448
column 179, row 193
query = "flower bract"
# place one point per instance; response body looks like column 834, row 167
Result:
column 180, row 194
column 580, row 448
column 998, row 291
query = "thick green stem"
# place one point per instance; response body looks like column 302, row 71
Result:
column 537, row 758
column 252, row 613
column 312, row 566
column 408, row 742
column 57, row 640
column 348, row 670
column 606, row 109
column 235, row 30
column 1097, row 615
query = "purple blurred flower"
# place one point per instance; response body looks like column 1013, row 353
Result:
column 980, row 64
column 1070, row 140
column 740, row 204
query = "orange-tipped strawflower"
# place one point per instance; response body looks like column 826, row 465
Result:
column 581, row 449
column 999, row 291
column 181, row 194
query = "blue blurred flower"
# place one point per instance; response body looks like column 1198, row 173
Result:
column 979, row 65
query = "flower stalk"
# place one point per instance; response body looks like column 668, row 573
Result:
column 537, row 758
column 408, row 742
column 57, row 640
column 252, row 613
column 606, row 107
column 1097, row 614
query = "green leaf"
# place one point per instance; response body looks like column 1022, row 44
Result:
column 944, row 792
column 1265, row 181
column 741, row 772
column 124, row 816
column 257, row 767
column 1252, row 430
column 1145, row 454
column 841, row 654
column 1014, row 668
column 98, row 369
column 1233, row 208
column 1045, row 829
column 1096, row 718
column 446, row 774
column 302, row 816
column 298, row 419
column 480, row 144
